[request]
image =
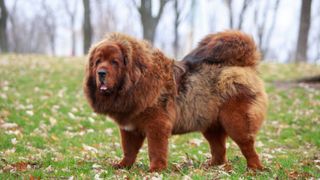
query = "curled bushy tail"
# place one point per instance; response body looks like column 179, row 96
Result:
column 231, row 48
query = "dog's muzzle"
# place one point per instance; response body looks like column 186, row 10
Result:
column 102, row 75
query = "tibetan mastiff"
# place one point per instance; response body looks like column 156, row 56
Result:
column 214, row 90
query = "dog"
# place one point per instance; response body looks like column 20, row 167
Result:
column 214, row 90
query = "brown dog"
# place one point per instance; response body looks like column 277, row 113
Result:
column 214, row 90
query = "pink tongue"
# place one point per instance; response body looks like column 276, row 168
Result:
column 103, row 87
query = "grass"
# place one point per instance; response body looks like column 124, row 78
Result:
column 47, row 129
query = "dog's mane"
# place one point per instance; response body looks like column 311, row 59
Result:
column 139, row 87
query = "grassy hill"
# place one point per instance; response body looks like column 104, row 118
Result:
column 47, row 129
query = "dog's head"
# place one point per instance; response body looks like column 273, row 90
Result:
column 107, row 65
column 113, row 67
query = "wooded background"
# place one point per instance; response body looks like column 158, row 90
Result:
column 285, row 30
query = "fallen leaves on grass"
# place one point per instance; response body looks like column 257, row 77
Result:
column 20, row 167
column 89, row 149
column 9, row 151
column 153, row 176
column 72, row 116
column 109, row 131
column 54, row 108
column 10, row 128
column 30, row 112
column 195, row 142
column 297, row 175
column 49, row 169
column 14, row 141
column 7, row 126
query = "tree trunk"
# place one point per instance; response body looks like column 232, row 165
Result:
column 87, row 29
column 50, row 25
column 71, row 12
column 264, row 33
column 302, row 45
column 14, row 30
column 176, row 26
column 242, row 12
column 149, row 23
column 3, row 27
column 265, row 49
column 73, row 38
column 313, row 79
column 229, row 6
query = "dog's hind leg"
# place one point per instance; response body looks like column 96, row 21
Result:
column 241, row 121
column 216, row 136
column 248, row 150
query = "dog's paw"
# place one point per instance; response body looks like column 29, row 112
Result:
column 157, row 167
column 122, row 165
column 256, row 168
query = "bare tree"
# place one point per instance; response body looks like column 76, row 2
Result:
column 318, row 48
column 271, row 29
column 31, row 35
column 27, row 34
column 87, row 28
column 180, row 16
column 4, row 47
column 177, row 14
column 71, row 12
column 243, row 10
column 302, row 44
column 149, row 22
column 49, row 22
column 229, row 6
column 35, row 39
column 264, row 32
column 104, row 19
column 189, row 39
column 315, row 39
column 13, row 32
column 318, row 41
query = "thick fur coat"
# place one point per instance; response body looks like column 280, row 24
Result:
column 214, row 90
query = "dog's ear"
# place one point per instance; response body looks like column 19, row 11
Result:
column 137, row 71
column 197, row 55
column 132, row 75
column 125, row 60
column 210, row 50
column 134, row 65
column 91, row 53
column 89, row 84
column 200, row 53
column 126, row 52
column 89, row 88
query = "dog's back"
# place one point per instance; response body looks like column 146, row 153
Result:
column 222, row 67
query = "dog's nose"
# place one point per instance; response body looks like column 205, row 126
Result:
column 102, row 72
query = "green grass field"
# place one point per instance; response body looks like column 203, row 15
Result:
column 47, row 130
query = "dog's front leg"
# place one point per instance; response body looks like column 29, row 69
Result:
column 131, row 143
column 158, row 132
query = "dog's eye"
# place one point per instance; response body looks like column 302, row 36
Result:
column 97, row 61
column 114, row 62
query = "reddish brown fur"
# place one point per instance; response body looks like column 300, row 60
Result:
column 232, row 48
column 215, row 90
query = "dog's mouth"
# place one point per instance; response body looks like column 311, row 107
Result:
column 102, row 84
column 103, row 87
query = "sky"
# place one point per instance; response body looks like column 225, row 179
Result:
column 209, row 16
